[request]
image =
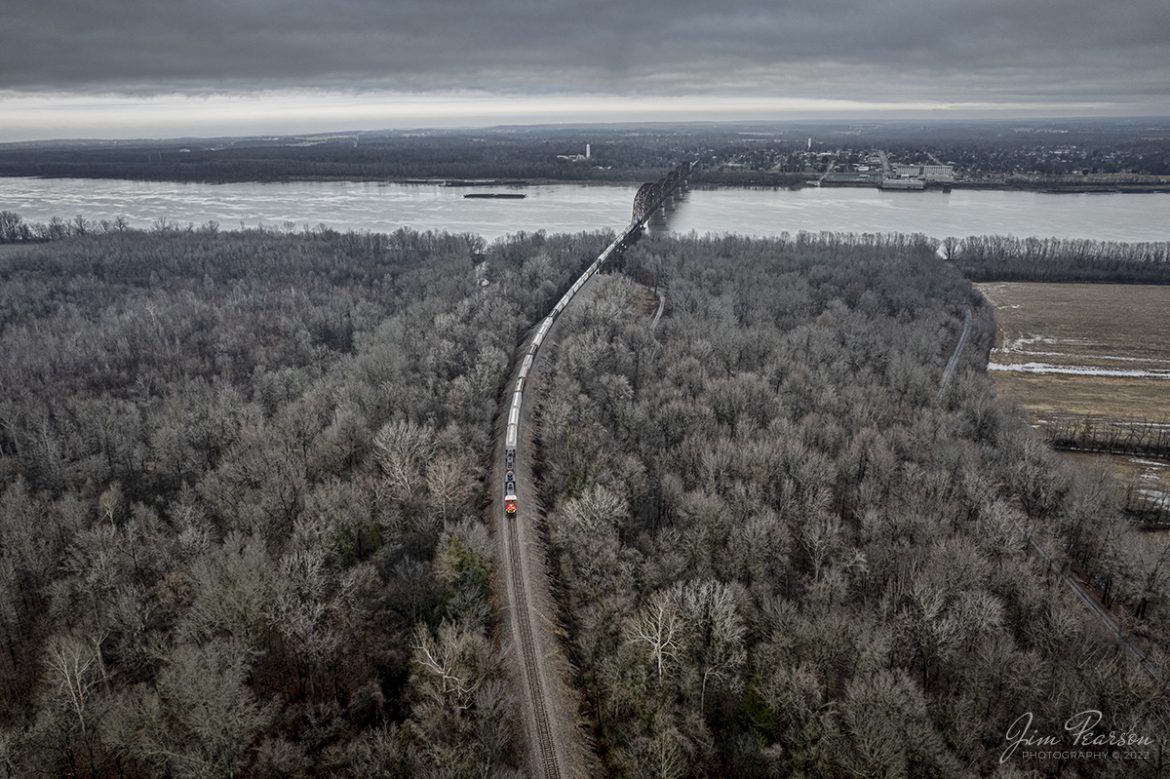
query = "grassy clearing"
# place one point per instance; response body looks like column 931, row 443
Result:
column 1086, row 350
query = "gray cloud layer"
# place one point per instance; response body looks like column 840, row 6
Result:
column 960, row 50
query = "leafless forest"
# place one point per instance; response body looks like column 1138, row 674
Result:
column 1007, row 258
column 241, row 480
column 239, row 520
column 783, row 555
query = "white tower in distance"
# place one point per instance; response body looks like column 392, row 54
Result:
column 586, row 151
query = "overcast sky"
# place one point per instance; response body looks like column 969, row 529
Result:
column 137, row 68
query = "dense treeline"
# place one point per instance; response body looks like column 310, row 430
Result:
column 1142, row 437
column 1149, row 506
column 1006, row 258
column 240, row 501
column 1131, row 437
column 783, row 554
column 13, row 228
column 449, row 155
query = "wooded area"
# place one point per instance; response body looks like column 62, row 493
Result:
column 1141, row 437
column 783, row 554
column 1135, row 437
column 459, row 155
column 1007, row 258
column 241, row 498
column 241, row 488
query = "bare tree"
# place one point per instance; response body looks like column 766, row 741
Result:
column 73, row 673
column 657, row 631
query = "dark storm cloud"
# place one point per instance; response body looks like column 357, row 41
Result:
column 1073, row 50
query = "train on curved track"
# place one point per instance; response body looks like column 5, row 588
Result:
column 511, row 500
column 647, row 201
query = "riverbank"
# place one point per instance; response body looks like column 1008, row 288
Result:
column 700, row 180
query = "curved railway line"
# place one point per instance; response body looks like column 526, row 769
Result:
column 550, row 727
column 554, row 746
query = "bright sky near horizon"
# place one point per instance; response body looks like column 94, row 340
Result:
column 132, row 68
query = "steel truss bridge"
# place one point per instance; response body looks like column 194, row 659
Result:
column 659, row 195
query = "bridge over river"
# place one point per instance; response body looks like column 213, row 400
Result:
column 554, row 741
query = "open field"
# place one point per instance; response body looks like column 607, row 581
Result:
column 1090, row 363
column 1086, row 350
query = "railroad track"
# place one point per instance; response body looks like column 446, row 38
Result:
column 545, row 746
column 1151, row 669
column 546, row 759
column 949, row 371
column 661, row 308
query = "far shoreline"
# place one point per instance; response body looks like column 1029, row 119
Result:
column 1045, row 187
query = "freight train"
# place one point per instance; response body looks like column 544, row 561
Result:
column 511, row 501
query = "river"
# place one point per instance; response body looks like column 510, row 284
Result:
column 573, row 207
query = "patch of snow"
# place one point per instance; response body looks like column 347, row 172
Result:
column 1028, row 340
column 1075, row 370
column 1111, row 357
column 1022, row 342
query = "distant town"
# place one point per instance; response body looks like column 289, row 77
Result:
column 1016, row 159
column 861, row 168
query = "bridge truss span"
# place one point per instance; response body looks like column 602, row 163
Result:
column 655, row 195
